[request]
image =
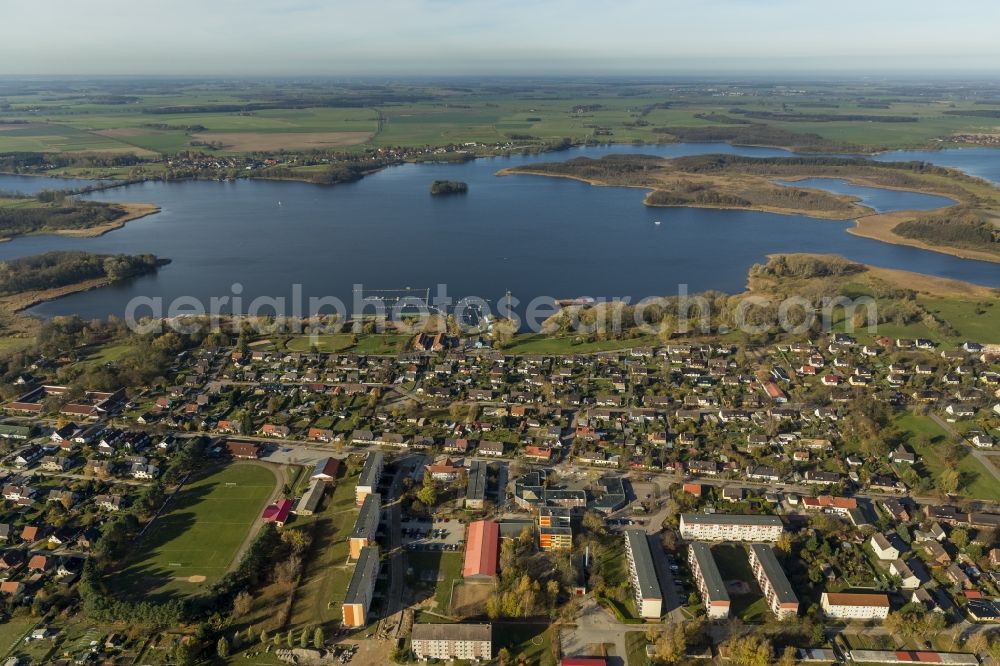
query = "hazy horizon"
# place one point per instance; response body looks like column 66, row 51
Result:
column 414, row 38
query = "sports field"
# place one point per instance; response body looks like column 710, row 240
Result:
column 192, row 545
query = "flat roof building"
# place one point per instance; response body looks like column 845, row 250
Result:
column 554, row 528
column 361, row 588
column 773, row 581
column 371, row 474
column 366, row 524
column 730, row 527
column 309, row 502
column 642, row 574
column 469, row 642
column 482, row 546
column 475, row 493
column 711, row 587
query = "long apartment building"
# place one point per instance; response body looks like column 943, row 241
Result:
column 366, row 525
column 554, row 529
column 469, row 642
column 371, row 474
column 361, row 588
column 773, row 581
column 855, row 606
column 475, row 493
column 642, row 575
column 711, row 587
column 729, row 527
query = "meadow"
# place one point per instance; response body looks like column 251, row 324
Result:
column 194, row 542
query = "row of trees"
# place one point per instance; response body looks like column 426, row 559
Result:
column 60, row 268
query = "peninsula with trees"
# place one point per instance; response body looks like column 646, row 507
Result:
column 966, row 229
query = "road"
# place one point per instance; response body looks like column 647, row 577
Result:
column 594, row 627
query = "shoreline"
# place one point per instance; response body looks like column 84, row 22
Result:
column 874, row 226
column 133, row 211
column 18, row 303
column 880, row 228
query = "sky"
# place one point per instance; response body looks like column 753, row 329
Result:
column 502, row 37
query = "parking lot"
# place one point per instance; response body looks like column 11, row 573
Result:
column 443, row 534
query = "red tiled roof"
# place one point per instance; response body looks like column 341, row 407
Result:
column 278, row 513
column 481, row 550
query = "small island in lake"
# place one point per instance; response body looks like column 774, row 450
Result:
column 449, row 187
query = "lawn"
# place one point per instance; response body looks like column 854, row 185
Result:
column 976, row 481
column 532, row 641
column 377, row 343
column 635, row 648
column 542, row 344
column 326, row 576
column 973, row 320
column 734, row 565
column 438, row 570
column 193, row 544
column 13, row 630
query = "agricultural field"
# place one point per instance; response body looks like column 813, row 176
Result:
column 227, row 119
column 194, row 543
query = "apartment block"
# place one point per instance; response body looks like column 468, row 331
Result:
column 468, row 642
column 707, row 577
column 361, row 588
column 366, row 525
column 855, row 606
column 371, row 474
column 642, row 575
column 729, row 527
column 773, row 581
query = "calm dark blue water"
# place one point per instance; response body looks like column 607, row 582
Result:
column 981, row 162
column 35, row 184
column 879, row 199
column 534, row 236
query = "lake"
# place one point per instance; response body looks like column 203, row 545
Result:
column 532, row 235
column 879, row 199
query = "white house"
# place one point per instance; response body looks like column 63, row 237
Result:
column 908, row 580
column 883, row 549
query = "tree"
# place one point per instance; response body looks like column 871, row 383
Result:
column 427, row 495
column 263, row 637
column 948, row 481
column 787, row 657
column 222, row 647
column 242, row 604
column 290, row 639
column 671, row 644
column 304, row 638
column 960, row 537
column 749, row 650
column 318, row 639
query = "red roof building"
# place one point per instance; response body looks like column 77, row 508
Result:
column 583, row 661
column 238, row 449
column 481, row 549
column 277, row 513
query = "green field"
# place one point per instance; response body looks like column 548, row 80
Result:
column 78, row 119
column 976, row 481
column 200, row 533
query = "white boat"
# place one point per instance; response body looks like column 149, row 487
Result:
column 656, row 222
